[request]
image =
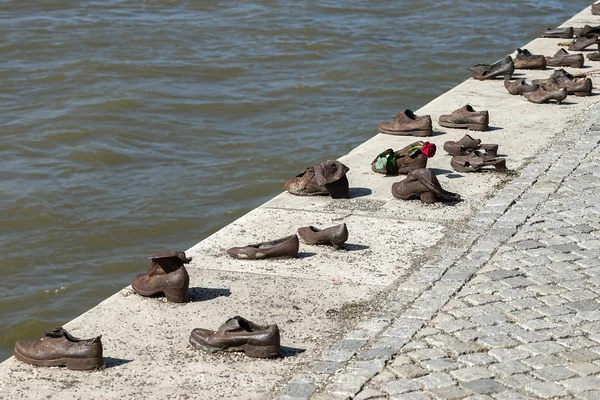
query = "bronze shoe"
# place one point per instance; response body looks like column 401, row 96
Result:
column 466, row 117
column 59, row 348
column 594, row 56
column 334, row 235
column 286, row 247
column 562, row 79
column 562, row 58
column 408, row 124
column 596, row 9
column 423, row 184
column 546, row 93
column 166, row 275
column 467, row 144
column 239, row 334
column 562, row 33
column 474, row 162
column 519, row 86
column 327, row 178
column 403, row 161
column 583, row 42
column 504, row 67
column 526, row 60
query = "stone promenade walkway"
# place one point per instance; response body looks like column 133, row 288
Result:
column 508, row 309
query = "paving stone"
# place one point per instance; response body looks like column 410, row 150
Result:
column 411, row 396
column 401, row 386
column 507, row 368
column 450, row 392
column 472, row 374
column 582, row 384
column 348, row 344
column 441, row 365
column 427, row 354
column 484, row 386
column 538, row 348
column 510, row 395
column 382, row 353
column 519, row 381
column 476, row 359
column 369, row 394
column 408, row 371
column 545, row 390
column 502, row 354
column 326, row 367
column 553, row 373
column 584, row 368
column 579, row 355
column 382, row 378
column 435, row 380
column 298, row 390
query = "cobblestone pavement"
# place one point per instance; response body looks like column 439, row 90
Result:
column 513, row 314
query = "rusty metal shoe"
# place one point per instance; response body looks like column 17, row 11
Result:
column 166, row 275
column 594, row 56
column 408, row 124
column 59, row 348
column 526, row 60
column 546, row 93
column 467, row 144
column 328, row 178
column 596, row 9
column 424, row 185
column 403, row 161
column 561, row 33
column 475, row 161
column 562, row 79
column 239, row 334
column 286, row 247
column 466, row 117
column 504, row 68
column 583, row 42
column 519, row 86
column 562, row 58
column 334, row 235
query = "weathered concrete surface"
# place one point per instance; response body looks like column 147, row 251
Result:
column 317, row 298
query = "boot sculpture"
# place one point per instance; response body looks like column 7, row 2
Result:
column 424, row 185
column 467, row 144
column 408, row 124
column 526, row 60
column 166, row 275
column 562, row 79
column 546, row 93
column 239, row 334
column 403, row 161
column 562, row 58
column 327, row 178
column 59, row 348
column 475, row 162
column 466, row 117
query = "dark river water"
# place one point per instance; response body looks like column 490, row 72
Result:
column 132, row 127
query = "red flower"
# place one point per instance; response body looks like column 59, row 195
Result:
column 428, row 149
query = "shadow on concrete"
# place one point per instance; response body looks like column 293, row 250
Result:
column 359, row 192
column 454, row 176
column 110, row 362
column 439, row 171
column 437, row 133
column 494, row 128
column 205, row 294
column 354, row 247
column 291, row 351
column 306, row 254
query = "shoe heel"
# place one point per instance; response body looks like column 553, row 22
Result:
column 262, row 351
column 82, row 364
column 477, row 127
column 177, row 295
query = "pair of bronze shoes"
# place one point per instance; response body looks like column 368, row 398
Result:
column 166, row 275
column 328, row 178
column 470, row 155
column 422, row 184
column 561, row 79
column 58, row 348
column 503, row 68
column 536, row 93
column 239, row 334
column 403, row 161
column 407, row 123
column 287, row 247
column 466, row 118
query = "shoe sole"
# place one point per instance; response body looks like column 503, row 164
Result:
column 250, row 350
column 77, row 364
column 173, row 296
column 472, row 127
column 407, row 133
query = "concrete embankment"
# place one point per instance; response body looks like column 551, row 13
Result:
column 323, row 293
